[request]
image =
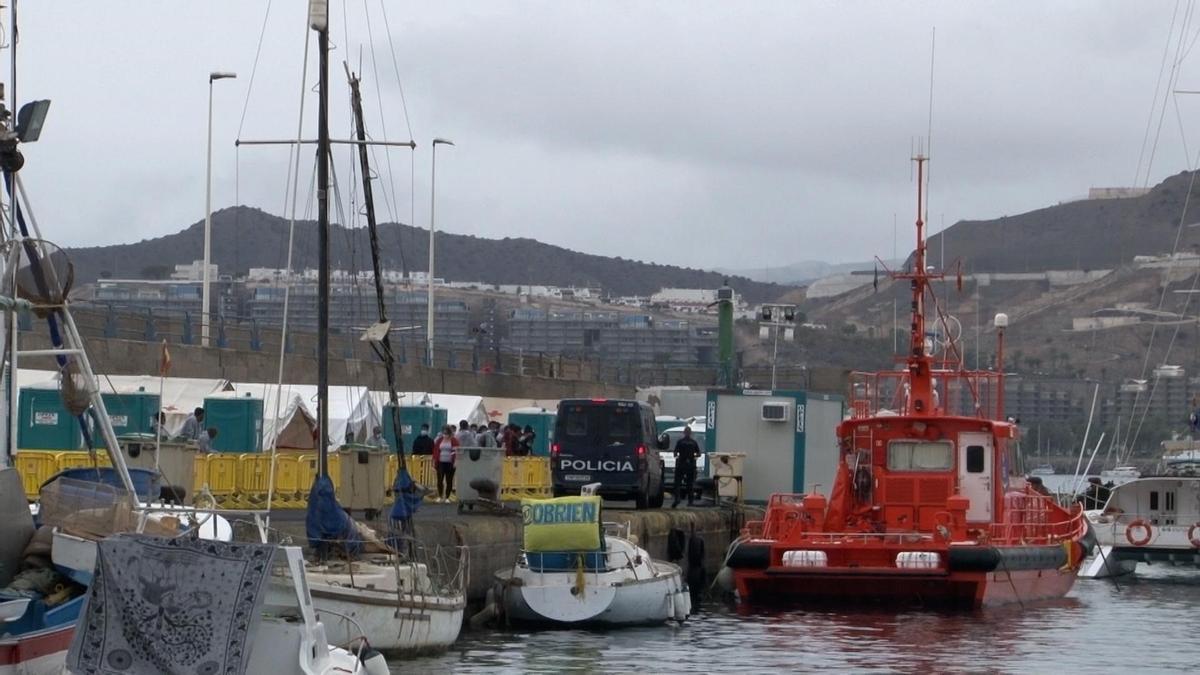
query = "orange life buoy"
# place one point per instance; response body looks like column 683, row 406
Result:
column 1139, row 541
column 1194, row 535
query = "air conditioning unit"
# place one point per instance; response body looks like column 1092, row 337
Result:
column 775, row 412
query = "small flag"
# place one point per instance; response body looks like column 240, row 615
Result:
column 164, row 361
column 876, row 278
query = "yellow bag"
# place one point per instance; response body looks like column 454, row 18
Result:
column 562, row 524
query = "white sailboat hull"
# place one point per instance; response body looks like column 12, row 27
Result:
column 409, row 624
column 624, row 594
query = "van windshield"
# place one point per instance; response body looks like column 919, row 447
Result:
column 599, row 425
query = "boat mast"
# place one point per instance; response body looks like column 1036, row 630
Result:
column 385, row 349
column 318, row 12
column 920, row 363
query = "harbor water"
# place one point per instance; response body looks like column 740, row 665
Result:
column 1144, row 624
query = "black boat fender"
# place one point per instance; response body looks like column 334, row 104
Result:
column 1008, row 558
column 748, row 556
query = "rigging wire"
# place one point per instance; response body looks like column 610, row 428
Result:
column 412, row 155
column 1172, row 78
column 1137, row 174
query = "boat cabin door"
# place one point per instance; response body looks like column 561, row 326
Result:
column 975, row 474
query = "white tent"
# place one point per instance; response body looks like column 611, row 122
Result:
column 290, row 413
column 458, row 406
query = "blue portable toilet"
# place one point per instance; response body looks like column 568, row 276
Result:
column 45, row 423
column 238, row 421
column 411, row 419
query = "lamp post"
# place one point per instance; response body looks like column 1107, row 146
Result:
column 204, row 293
column 776, row 317
column 432, row 202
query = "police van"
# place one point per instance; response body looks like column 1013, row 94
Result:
column 611, row 442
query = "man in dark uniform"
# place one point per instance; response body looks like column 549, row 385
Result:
column 423, row 444
column 686, row 453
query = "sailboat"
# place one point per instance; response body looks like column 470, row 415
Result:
column 402, row 599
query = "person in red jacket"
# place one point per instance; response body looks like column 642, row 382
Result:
column 445, row 455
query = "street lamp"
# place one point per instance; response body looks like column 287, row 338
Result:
column 432, row 200
column 204, row 299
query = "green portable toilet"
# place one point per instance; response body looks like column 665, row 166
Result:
column 411, row 419
column 131, row 414
column 45, row 423
column 238, row 421
column 542, row 421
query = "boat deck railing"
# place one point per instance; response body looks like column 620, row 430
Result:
column 1030, row 518
column 963, row 393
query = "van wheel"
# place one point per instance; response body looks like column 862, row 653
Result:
column 558, row 492
column 640, row 500
column 656, row 502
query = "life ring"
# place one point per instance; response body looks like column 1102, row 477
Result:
column 1194, row 535
column 1139, row 541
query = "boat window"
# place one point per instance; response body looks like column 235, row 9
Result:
column 1170, row 499
column 974, row 459
column 920, row 456
column 1154, row 500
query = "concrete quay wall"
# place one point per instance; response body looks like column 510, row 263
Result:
column 494, row 541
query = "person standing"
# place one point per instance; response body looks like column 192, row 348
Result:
column 446, row 449
column 485, row 438
column 377, row 439
column 525, row 441
column 464, row 435
column 687, row 451
column 423, row 444
column 204, row 443
column 193, row 428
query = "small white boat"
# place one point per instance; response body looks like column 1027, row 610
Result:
column 1042, row 470
column 1127, row 472
column 618, row 585
column 1146, row 520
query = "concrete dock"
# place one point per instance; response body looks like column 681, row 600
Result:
column 494, row 540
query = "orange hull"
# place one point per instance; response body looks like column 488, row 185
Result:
column 902, row 587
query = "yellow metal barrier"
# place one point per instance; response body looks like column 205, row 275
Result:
column 253, row 478
column 221, row 476
column 35, row 467
column 289, row 490
column 76, row 459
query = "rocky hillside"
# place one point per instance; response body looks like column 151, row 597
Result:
column 244, row 237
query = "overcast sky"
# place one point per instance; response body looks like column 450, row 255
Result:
column 737, row 134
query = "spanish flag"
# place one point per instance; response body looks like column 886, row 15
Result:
column 164, row 361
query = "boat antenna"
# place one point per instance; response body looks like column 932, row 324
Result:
column 919, row 362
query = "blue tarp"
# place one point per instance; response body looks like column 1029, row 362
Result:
column 329, row 528
column 407, row 496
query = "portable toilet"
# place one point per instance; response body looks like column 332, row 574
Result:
column 45, row 423
column 131, row 414
column 411, row 419
column 238, row 421
column 542, row 421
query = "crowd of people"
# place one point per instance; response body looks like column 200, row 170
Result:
column 517, row 442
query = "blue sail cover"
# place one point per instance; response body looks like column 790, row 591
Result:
column 329, row 528
column 407, row 495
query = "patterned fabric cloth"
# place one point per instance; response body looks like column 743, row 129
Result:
column 179, row 606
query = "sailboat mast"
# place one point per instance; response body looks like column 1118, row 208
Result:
column 319, row 20
column 385, row 351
